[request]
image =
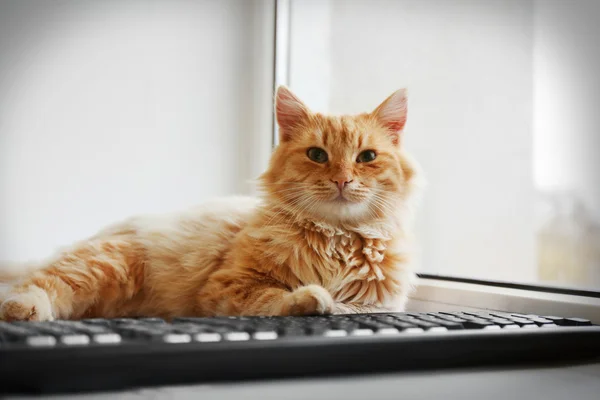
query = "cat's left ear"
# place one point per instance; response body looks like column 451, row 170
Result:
column 392, row 113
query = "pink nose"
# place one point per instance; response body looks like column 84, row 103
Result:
column 341, row 184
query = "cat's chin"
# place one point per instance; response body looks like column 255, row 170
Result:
column 342, row 210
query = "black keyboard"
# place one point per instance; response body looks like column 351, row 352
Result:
column 103, row 354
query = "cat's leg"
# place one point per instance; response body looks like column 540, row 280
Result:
column 228, row 293
column 93, row 274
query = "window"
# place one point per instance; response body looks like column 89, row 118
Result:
column 115, row 108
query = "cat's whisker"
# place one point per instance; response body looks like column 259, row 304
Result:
column 295, row 206
column 308, row 207
column 382, row 208
column 282, row 212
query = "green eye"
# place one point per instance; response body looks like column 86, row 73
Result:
column 366, row 156
column 317, row 155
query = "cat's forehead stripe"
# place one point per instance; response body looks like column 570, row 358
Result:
column 360, row 141
column 339, row 131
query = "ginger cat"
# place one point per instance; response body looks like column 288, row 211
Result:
column 329, row 235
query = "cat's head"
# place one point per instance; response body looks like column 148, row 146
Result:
column 340, row 169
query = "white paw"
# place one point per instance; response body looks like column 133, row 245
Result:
column 33, row 305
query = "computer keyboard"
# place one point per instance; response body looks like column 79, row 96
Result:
column 109, row 354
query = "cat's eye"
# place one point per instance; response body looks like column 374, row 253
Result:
column 317, row 155
column 366, row 156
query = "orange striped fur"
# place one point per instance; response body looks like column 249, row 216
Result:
column 303, row 247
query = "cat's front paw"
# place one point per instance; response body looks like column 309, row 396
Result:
column 33, row 305
column 309, row 300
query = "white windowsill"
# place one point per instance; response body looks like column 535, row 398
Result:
column 437, row 295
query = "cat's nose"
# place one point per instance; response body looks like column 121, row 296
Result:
column 341, row 184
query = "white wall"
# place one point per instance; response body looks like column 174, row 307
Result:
column 114, row 108
column 468, row 67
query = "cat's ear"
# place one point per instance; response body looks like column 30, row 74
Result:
column 290, row 112
column 392, row 113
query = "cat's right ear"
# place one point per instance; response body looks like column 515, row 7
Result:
column 392, row 114
column 290, row 112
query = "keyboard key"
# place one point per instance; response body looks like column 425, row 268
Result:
column 501, row 322
column 387, row 331
column 541, row 321
column 406, row 319
column 477, row 324
column 362, row 332
column 413, row 330
column 450, row 325
column 414, row 322
column 530, row 326
column 458, row 315
column 556, row 320
column 451, row 318
column 75, row 340
column 549, row 326
column 492, row 328
column 207, row 337
column 335, row 333
column 437, row 329
column 478, row 314
column 379, row 322
column 41, row 341
column 265, row 335
column 568, row 321
column 577, row 322
column 522, row 321
column 501, row 315
column 525, row 316
column 107, row 338
column 177, row 338
column 428, row 318
column 237, row 336
column 441, row 322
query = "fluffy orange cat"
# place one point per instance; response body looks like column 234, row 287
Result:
column 329, row 235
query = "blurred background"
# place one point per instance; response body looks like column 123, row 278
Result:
column 120, row 107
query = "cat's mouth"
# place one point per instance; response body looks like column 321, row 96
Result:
column 341, row 199
column 346, row 198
